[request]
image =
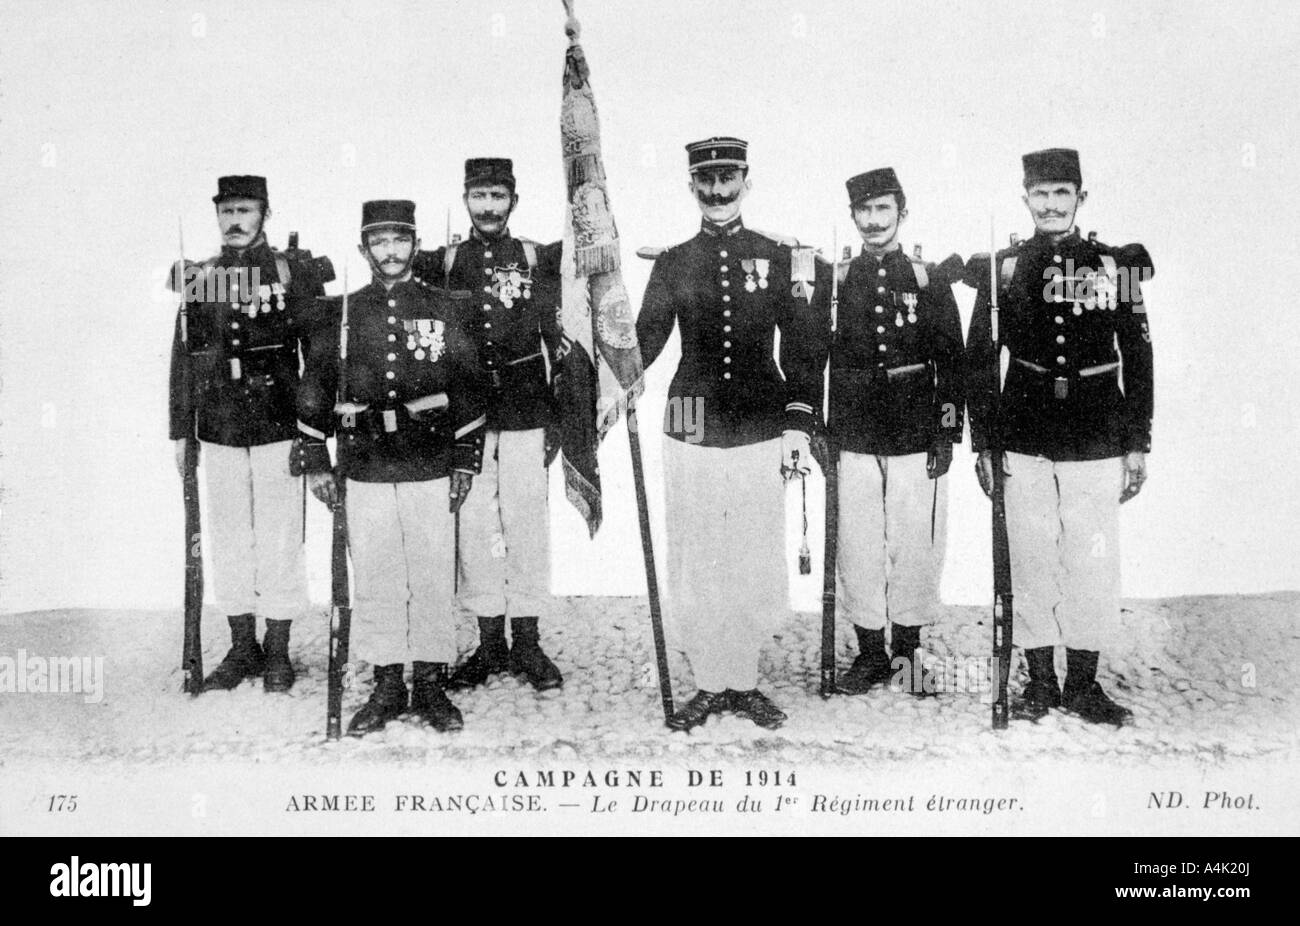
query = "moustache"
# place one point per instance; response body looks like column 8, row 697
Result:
column 1052, row 215
column 234, row 230
column 874, row 230
column 490, row 217
column 714, row 200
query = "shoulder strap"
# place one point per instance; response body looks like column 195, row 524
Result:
column 448, row 259
column 922, row 274
column 282, row 268
column 1008, row 270
column 1108, row 263
column 530, row 252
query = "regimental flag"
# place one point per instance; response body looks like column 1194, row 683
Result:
column 596, row 316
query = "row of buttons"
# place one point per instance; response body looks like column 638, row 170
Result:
column 726, row 313
column 392, row 320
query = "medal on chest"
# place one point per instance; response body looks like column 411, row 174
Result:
column 510, row 283
column 756, row 269
column 424, row 338
column 909, row 300
column 268, row 298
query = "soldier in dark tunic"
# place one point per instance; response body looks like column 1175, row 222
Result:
column 245, row 313
column 410, row 437
column 896, row 409
column 1075, row 426
column 734, row 420
column 511, row 314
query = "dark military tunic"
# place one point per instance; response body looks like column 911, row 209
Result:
column 896, row 363
column 1079, row 385
column 729, row 291
column 244, row 356
column 512, row 317
column 404, row 345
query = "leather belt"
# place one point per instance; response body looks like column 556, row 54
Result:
column 387, row 420
column 890, row 373
column 1061, row 383
column 494, row 376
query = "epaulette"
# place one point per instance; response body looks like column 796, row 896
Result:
column 653, row 253
column 785, row 240
column 949, row 270
column 1135, row 255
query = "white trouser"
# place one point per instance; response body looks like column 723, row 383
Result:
column 1063, row 528
column 725, row 516
column 890, row 558
column 505, row 529
column 254, row 520
column 400, row 537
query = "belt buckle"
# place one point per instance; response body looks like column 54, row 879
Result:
column 390, row 420
column 1062, row 387
column 494, row 377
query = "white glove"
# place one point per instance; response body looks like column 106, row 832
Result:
column 796, row 454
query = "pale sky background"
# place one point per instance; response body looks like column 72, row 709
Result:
column 115, row 119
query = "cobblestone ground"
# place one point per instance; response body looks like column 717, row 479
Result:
column 1208, row 678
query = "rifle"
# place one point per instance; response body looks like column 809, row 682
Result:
column 647, row 550
column 831, row 551
column 292, row 249
column 1002, row 596
column 455, row 536
column 341, row 602
column 192, row 646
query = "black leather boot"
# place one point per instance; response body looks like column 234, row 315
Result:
column 1083, row 695
column 1042, row 691
column 871, row 667
column 698, row 709
column 491, row 657
column 429, row 701
column 527, row 658
column 756, row 706
column 906, row 644
column 387, row 701
column 278, row 674
column 243, row 660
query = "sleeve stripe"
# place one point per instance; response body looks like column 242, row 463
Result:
column 310, row 431
column 472, row 426
column 799, row 407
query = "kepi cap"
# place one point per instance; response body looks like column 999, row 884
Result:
column 719, row 151
column 241, row 187
column 1052, row 164
column 379, row 213
column 490, row 171
column 873, row 183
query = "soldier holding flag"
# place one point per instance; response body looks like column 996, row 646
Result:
column 733, row 423
column 1075, row 423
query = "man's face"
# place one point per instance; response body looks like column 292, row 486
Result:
column 390, row 251
column 490, row 205
column 878, row 220
column 718, row 192
column 1053, row 205
column 240, row 221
